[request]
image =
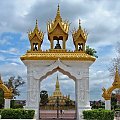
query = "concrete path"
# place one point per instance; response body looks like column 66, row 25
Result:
column 52, row 115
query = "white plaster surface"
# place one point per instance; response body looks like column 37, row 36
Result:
column 7, row 103
column 107, row 104
column 38, row 70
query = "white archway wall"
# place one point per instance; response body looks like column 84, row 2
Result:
column 38, row 70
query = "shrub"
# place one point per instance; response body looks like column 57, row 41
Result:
column 98, row 114
column 17, row 114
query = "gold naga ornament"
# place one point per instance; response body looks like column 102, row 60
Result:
column 116, row 84
column 7, row 91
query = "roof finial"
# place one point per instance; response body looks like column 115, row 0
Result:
column 58, row 10
column 79, row 24
column 57, row 76
column 58, row 13
column 36, row 23
column 57, row 83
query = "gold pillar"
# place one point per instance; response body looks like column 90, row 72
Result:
column 32, row 47
column 39, row 46
column 64, row 43
column 76, row 46
column 52, row 44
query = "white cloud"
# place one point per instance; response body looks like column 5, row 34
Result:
column 102, row 21
column 13, row 51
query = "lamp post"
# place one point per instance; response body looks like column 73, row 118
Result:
column 57, row 107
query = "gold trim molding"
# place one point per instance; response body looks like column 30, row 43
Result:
column 57, row 54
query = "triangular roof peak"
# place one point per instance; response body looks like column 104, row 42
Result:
column 79, row 32
column 64, row 25
column 36, row 32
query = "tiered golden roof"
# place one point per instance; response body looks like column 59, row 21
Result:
column 64, row 25
column 116, row 84
column 79, row 33
column 36, row 32
column 57, row 30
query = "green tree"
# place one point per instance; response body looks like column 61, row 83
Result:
column 91, row 51
column 115, row 62
column 15, row 83
column 44, row 97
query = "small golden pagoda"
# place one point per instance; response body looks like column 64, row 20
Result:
column 57, row 94
column 79, row 38
column 58, row 30
column 36, row 38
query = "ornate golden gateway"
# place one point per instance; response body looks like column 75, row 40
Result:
column 116, row 84
column 7, row 92
column 57, row 31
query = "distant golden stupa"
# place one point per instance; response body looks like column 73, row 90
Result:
column 57, row 94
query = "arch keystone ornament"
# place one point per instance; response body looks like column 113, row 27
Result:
column 75, row 64
column 107, row 93
column 7, row 93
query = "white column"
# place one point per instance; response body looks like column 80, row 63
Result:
column 33, row 94
column 82, row 96
column 107, row 104
column 7, row 103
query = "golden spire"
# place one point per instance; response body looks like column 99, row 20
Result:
column 58, row 17
column 58, row 10
column 36, row 26
column 57, row 84
column 57, row 91
column 79, row 24
column 117, row 77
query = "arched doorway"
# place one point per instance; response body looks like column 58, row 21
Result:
column 60, row 103
column 39, row 70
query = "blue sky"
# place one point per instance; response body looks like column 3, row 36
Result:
column 101, row 18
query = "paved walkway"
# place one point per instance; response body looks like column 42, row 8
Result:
column 52, row 114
